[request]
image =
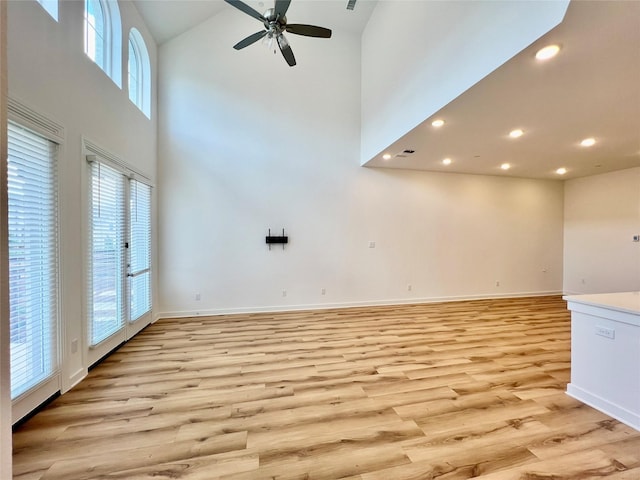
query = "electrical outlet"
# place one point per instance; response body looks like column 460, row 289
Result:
column 409, row 288
column 197, row 297
column 605, row 332
column 74, row 345
column 284, row 293
column 372, row 244
column 497, row 283
column 323, row 291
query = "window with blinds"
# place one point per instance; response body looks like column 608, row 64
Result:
column 139, row 249
column 107, row 259
column 33, row 258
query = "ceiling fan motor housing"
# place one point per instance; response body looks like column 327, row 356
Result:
column 273, row 22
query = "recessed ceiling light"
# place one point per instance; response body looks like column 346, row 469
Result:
column 588, row 142
column 561, row 171
column 386, row 156
column 446, row 161
column 516, row 133
column 547, row 52
column 505, row 166
column 437, row 123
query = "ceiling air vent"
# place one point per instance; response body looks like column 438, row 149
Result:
column 351, row 4
column 405, row 153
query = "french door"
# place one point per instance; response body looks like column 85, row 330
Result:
column 119, row 303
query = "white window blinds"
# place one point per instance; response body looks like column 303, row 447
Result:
column 33, row 258
column 139, row 249
column 107, row 263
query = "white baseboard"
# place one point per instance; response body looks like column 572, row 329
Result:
column 326, row 306
column 627, row 417
column 73, row 380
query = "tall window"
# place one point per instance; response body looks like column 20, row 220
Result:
column 106, row 303
column 120, row 252
column 33, row 258
column 139, row 73
column 139, row 249
column 103, row 36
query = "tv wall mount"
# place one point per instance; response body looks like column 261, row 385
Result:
column 276, row 239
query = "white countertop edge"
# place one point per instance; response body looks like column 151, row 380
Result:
column 628, row 302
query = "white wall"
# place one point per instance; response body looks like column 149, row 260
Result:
column 49, row 72
column 602, row 214
column 405, row 80
column 247, row 144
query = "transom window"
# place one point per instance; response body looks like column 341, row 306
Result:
column 102, row 36
column 139, row 73
column 95, row 32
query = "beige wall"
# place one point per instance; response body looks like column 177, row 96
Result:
column 601, row 216
column 240, row 153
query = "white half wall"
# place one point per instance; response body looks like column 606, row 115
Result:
column 414, row 63
column 50, row 74
column 247, row 144
column 602, row 214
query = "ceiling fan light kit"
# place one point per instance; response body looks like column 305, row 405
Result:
column 275, row 24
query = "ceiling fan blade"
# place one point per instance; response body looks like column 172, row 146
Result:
column 308, row 30
column 285, row 48
column 246, row 9
column 249, row 40
column 281, row 7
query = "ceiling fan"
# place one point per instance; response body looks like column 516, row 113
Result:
column 275, row 24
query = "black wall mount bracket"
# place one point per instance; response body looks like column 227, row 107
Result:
column 281, row 239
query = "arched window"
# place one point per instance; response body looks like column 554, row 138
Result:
column 103, row 36
column 139, row 73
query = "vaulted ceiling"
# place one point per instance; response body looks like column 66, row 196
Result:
column 591, row 89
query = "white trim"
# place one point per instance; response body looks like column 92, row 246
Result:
column 326, row 306
column 31, row 399
column 605, row 406
column 73, row 380
column 19, row 112
column 91, row 148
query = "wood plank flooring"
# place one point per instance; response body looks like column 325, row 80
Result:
column 437, row 391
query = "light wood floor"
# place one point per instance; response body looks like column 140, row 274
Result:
column 446, row 391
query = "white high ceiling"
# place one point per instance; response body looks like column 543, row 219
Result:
column 167, row 19
column 591, row 89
